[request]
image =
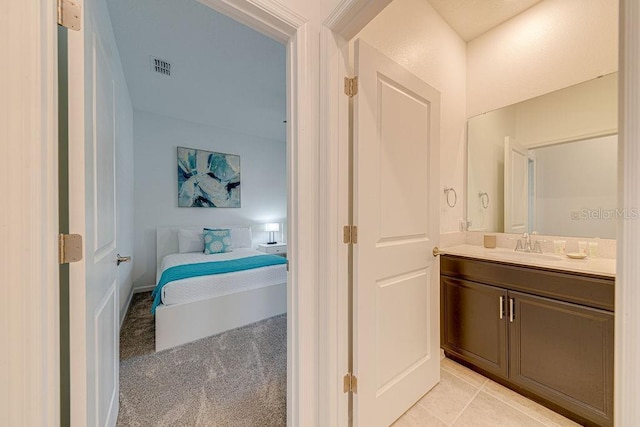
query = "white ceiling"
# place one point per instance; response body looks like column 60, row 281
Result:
column 471, row 18
column 222, row 73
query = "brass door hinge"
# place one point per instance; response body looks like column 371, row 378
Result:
column 69, row 248
column 350, row 383
column 69, row 14
column 351, row 86
column 350, row 234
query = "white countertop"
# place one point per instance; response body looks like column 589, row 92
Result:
column 598, row 266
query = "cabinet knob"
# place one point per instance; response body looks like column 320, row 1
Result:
column 436, row 251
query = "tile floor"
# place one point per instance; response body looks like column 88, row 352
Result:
column 466, row 398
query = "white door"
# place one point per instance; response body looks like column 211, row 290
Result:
column 396, row 355
column 92, row 205
column 516, row 186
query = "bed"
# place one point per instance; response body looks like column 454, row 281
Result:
column 197, row 307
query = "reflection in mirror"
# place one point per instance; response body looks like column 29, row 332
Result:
column 548, row 164
column 575, row 182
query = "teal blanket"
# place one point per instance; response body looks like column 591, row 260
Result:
column 208, row 268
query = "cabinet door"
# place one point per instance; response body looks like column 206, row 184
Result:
column 563, row 353
column 474, row 323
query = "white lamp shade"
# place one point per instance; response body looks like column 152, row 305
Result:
column 272, row 226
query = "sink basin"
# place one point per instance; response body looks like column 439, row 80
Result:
column 524, row 256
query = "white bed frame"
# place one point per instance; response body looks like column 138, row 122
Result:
column 178, row 324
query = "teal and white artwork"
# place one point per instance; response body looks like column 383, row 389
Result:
column 207, row 179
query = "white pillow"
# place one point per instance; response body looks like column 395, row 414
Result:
column 241, row 237
column 190, row 241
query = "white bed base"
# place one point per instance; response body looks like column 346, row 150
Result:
column 178, row 324
column 182, row 323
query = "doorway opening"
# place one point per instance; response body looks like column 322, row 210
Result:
column 208, row 96
column 104, row 119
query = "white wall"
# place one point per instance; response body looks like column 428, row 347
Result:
column 552, row 45
column 414, row 35
column 263, row 182
column 577, row 177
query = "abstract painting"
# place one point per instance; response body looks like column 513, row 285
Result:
column 207, row 179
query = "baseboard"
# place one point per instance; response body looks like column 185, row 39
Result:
column 123, row 315
column 141, row 289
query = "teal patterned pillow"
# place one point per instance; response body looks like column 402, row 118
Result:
column 217, row 241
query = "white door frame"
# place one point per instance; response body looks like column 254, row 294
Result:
column 293, row 30
column 318, row 314
column 627, row 335
column 29, row 308
column 29, row 224
column 343, row 23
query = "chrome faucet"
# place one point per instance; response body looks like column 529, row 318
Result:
column 524, row 244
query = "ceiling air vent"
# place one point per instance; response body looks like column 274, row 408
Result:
column 161, row 66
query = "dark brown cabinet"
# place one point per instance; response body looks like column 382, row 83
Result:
column 547, row 347
column 474, row 323
column 563, row 352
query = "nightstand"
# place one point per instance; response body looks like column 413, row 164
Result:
column 275, row 249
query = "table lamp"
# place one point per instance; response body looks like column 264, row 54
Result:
column 272, row 227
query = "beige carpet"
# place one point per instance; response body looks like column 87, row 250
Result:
column 237, row 378
column 138, row 333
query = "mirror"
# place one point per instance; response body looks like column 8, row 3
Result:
column 548, row 164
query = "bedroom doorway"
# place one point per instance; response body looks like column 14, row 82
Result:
column 210, row 205
column 101, row 171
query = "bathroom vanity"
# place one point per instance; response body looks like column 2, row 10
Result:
column 544, row 330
